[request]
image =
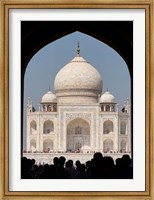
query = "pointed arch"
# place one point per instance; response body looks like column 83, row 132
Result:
column 108, row 127
column 33, row 145
column 33, row 127
column 108, row 145
column 48, row 145
column 123, row 126
column 48, row 127
column 78, row 135
column 123, row 146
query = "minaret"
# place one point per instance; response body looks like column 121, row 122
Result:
column 128, row 105
column 29, row 105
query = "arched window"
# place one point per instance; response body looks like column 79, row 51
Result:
column 123, row 146
column 49, row 108
column 33, row 145
column 48, row 145
column 108, row 127
column 107, row 108
column 33, row 127
column 107, row 145
column 123, row 128
column 48, row 127
column 78, row 134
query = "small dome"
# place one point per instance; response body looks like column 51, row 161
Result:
column 107, row 97
column 49, row 97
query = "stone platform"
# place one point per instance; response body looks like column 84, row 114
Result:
column 83, row 157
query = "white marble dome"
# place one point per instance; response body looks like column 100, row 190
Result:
column 78, row 77
column 49, row 97
column 107, row 97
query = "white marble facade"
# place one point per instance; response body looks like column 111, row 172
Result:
column 78, row 117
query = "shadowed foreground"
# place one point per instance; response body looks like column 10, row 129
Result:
column 98, row 167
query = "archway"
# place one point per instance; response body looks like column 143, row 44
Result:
column 108, row 145
column 78, row 135
column 123, row 146
column 33, row 145
column 48, row 127
column 108, row 127
column 48, row 145
column 36, row 35
column 33, row 127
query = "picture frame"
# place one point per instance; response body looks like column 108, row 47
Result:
column 4, row 105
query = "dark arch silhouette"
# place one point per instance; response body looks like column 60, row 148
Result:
column 36, row 34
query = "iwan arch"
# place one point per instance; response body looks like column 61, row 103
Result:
column 78, row 118
column 111, row 143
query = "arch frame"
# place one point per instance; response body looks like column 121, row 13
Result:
column 80, row 135
column 75, row 118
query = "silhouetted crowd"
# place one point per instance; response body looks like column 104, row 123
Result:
column 98, row 167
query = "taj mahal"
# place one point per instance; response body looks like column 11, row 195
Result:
column 77, row 119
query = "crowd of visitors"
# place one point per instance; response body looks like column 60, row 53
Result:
column 98, row 167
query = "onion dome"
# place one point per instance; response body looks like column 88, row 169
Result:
column 107, row 97
column 49, row 97
column 78, row 78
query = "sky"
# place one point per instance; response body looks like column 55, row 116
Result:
column 46, row 63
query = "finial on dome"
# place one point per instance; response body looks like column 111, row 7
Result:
column 78, row 49
column 107, row 89
column 49, row 89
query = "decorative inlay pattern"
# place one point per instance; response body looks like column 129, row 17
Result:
column 71, row 116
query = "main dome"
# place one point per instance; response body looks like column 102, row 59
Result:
column 78, row 78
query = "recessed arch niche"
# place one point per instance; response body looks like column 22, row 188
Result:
column 78, row 135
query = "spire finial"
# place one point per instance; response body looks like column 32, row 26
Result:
column 78, row 49
column 107, row 89
column 49, row 88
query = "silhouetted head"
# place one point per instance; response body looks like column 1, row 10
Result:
column 77, row 163
column 82, row 167
column 118, row 161
column 70, row 163
column 56, row 161
column 98, row 157
column 126, row 159
column 33, row 161
column 88, row 163
column 62, row 160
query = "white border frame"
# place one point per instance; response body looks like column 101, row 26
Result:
column 138, row 18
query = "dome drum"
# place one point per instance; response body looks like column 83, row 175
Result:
column 77, row 100
column 78, row 92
